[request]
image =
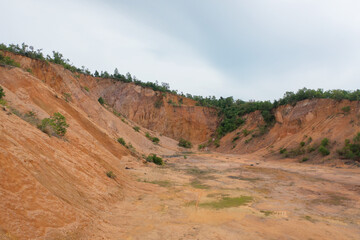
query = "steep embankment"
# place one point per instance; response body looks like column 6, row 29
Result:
column 165, row 113
column 51, row 187
column 309, row 121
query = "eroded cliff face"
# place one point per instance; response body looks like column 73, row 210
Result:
column 178, row 118
column 315, row 119
column 165, row 113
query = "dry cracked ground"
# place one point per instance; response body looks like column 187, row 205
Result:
column 208, row 196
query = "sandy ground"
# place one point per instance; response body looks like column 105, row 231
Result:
column 185, row 200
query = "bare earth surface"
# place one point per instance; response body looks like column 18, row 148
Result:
column 207, row 196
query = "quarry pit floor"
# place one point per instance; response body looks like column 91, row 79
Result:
column 213, row 196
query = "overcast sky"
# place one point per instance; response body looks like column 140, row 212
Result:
column 254, row 49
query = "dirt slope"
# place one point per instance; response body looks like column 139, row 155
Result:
column 185, row 120
column 309, row 121
column 52, row 187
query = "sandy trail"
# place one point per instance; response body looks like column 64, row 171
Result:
column 209, row 196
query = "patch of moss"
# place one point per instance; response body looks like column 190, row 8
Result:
column 228, row 202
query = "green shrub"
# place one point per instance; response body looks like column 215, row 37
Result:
column 2, row 93
column 323, row 150
column 158, row 103
column 245, row 132
column 110, row 174
column 302, row 144
column 155, row 159
column 346, row 109
column 311, row 149
column 304, row 159
column 184, row 143
column 8, row 61
column 67, row 97
column 86, row 88
column 325, row 142
column 201, row 146
column 217, row 143
column 155, row 140
column 282, row 150
column 248, row 140
column 235, row 138
column 101, row 101
column 56, row 125
column 136, row 128
column 351, row 150
column 121, row 141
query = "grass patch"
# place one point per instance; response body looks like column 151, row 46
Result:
column 332, row 199
column 310, row 219
column 199, row 173
column 244, row 178
column 228, row 202
column 267, row 213
column 197, row 184
column 164, row 183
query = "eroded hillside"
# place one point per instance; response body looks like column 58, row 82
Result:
column 89, row 185
column 299, row 129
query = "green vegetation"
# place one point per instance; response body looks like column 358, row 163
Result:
column 323, row 147
column 164, row 183
column 302, row 144
column 155, row 140
column 155, row 159
column 266, row 212
column 282, row 150
column 110, row 174
column 121, row 141
column 67, row 96
column 136, row 128
column 323, row 150
column 2, row 93
column 201, row 146
column 101, row 101
column 351, row 150
column 197, row 184
column 56, row 125
column 346, row 109
column 228, row 202
column 59, row 124
column 184, row 143
column 304, row 159
column 8, row 61
column 86, row 88
column 246, row 132
column 325, row 142
column 158, row 103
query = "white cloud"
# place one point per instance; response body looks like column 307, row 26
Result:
column 249, row 49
